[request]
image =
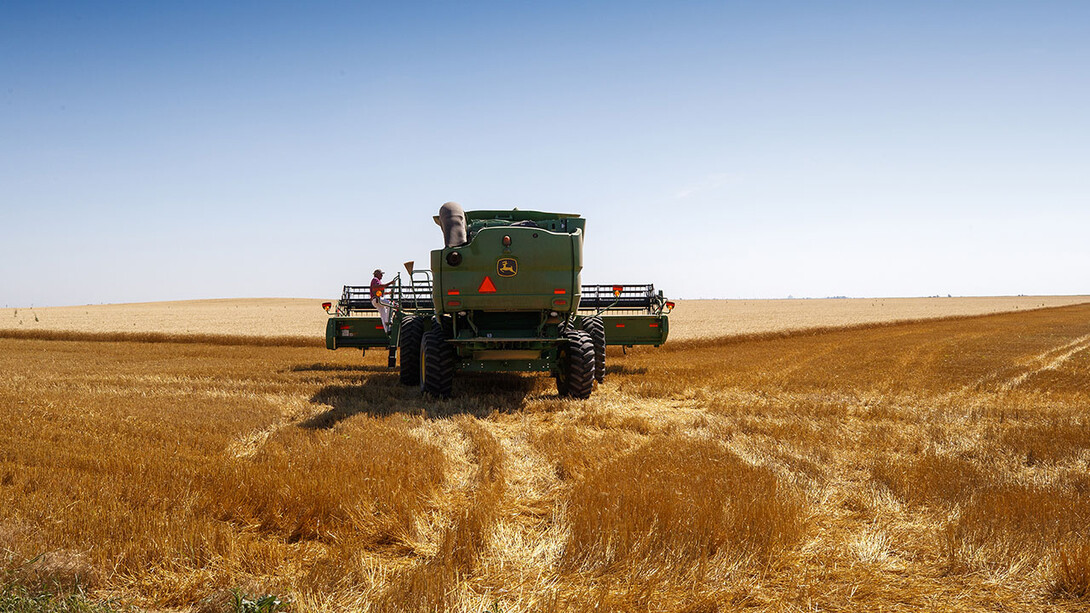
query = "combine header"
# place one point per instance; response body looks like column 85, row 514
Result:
column 502, row 295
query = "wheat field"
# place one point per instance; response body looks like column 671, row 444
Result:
column 923, row 465
column 304, row 318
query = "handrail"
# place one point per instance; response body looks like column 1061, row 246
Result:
column 416, row 295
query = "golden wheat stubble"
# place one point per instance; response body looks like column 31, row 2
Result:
column 928, row 464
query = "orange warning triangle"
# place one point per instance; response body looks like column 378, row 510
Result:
column 486, row 286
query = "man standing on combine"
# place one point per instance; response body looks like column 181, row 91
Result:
column 378, row 288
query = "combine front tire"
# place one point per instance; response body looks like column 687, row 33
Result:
column 436, row 363
column 596, row 328
column 412, row 328
column 576, row 376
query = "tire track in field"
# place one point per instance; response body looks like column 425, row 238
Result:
column 1050, row 359
column 293, row 411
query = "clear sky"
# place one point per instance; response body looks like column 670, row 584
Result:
column 175, row 150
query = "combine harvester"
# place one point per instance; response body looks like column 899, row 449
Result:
column 502, row 295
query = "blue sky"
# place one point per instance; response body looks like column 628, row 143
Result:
column 158, row 151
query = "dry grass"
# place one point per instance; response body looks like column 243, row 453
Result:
column 933, row 465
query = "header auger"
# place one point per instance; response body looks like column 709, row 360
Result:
column 503, row 294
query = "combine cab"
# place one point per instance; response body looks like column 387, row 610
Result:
column 504, row 294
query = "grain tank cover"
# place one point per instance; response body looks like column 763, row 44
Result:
column 565, row 223
column 452, row 219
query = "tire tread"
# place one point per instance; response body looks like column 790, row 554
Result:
column 578, row 365
column 438, row 376
column 596, row 328
column 412, row 328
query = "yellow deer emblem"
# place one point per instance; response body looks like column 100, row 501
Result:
column 507, row 267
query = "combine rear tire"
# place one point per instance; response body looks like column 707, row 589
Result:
column 412, row 328
column 596, row 328
column 576, row 377
column 436, row 363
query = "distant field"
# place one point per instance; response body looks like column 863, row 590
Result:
column 691, row 319
column 242, row 316
column 714, row 318
column 932, row 465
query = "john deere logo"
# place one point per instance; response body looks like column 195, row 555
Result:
column 507, row 267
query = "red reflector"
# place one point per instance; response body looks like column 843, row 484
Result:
column 454, row 303
column 487, row 287
column 620, row 325
column 560, row 302
column 653, row 325
column 344, row 327
column 453, row 292
column 379, row 327
column 560, row 291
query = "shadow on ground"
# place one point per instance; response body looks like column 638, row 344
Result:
column 322, row 367
column 378, row 395
column 621, row 369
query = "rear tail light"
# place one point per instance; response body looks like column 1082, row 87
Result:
column 560, row 291
column 453, row 292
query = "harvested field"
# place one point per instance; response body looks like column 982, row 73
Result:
column 717, row 318
column 304, row 318
column 930, row 465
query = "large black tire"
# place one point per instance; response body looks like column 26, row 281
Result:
column 412, row 328
column 576, row 376
column 436, row 363
column 596, row 328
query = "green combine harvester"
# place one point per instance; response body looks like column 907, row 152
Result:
column 502, row 295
